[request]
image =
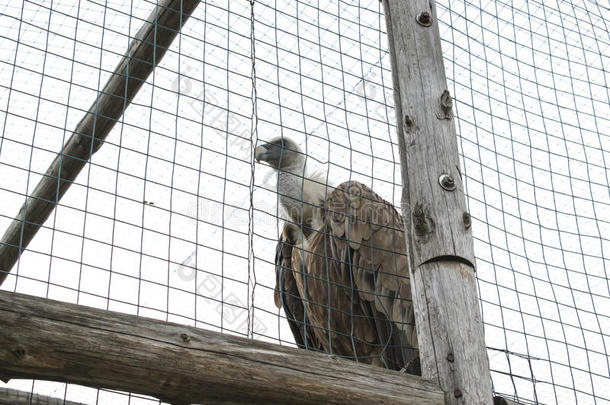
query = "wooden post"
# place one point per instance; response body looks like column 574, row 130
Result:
column 144, row 53
column 50, row 340
column 445, row 299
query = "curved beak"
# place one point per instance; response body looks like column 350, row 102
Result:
column 266, row 152
column 260, row 153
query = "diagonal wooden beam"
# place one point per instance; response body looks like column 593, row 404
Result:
column 144, row 53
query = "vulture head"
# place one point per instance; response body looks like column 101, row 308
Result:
column 300, row 191
column 280, row 153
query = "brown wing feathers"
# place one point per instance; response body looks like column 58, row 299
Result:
column 287, row 295
column 352, row 277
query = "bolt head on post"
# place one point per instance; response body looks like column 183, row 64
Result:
column 447, row 182
column 424, row 19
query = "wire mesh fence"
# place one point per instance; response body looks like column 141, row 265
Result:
column 173, row 219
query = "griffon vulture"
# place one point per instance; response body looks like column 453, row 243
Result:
column 341, row 265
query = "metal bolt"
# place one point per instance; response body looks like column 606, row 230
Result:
column 457, row 393
column 185, row 338
column 424, row 18
column 446, row 182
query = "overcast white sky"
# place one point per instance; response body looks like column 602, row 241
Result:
column 158, row 223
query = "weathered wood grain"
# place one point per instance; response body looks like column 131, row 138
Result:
column 449, row 327
column 451, row 341
column 50, row 340
column 435, row 216
column 10, row 396
column 144, row 53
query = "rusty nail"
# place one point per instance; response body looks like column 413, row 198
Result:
column 457, row 393
column 185, row 338
column 19, row 353
column 450, row 358
column 424, row 19
column 467, row 220
column 446, row 182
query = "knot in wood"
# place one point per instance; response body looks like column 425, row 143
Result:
column 185, row 338
column 409, row 123
column 467, row 220
column 446, row 106
column 422, row 223
column 457, row 393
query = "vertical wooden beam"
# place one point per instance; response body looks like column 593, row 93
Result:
column 144, row 53
column 445, row 299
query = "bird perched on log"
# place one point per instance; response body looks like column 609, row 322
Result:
column 342, row 274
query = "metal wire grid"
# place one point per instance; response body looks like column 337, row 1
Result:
column 532, row 102
column 124, row 236
column 316, row 100
column 322, row 78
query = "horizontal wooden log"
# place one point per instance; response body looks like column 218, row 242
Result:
column 144, row 53
column 50, row 340
column 10, row 396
